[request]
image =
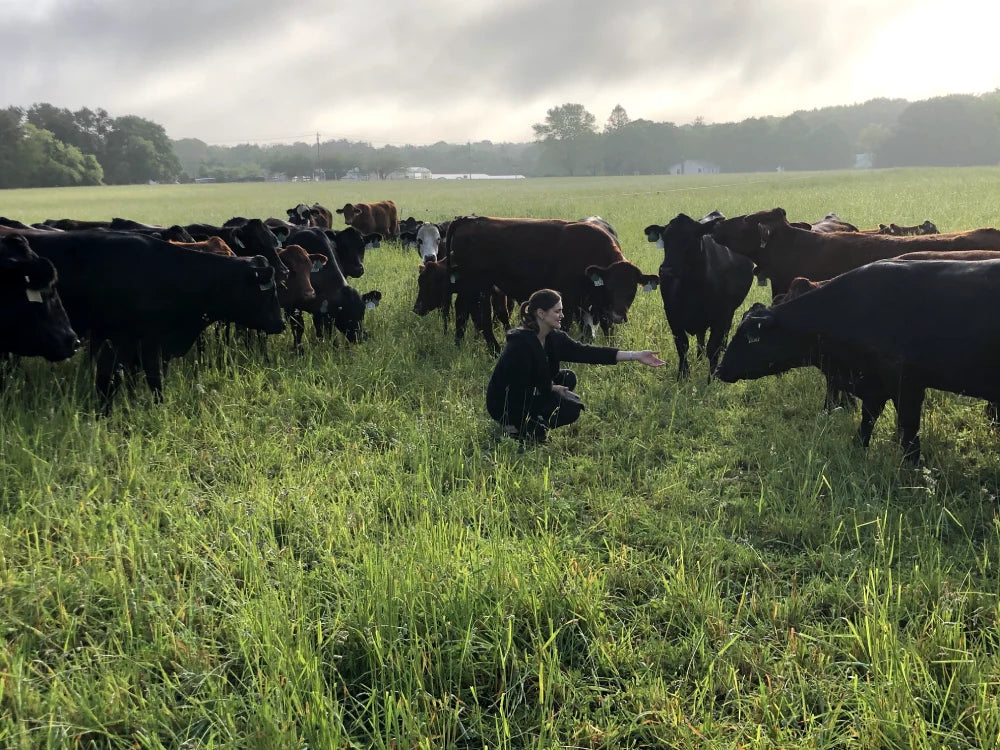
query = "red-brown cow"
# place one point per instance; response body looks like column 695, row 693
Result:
column 580, row 260
column 783, row 252
column 214, row 245
column 369, row 218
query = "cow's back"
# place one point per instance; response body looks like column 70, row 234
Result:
column 940, row 319
column 521, row 256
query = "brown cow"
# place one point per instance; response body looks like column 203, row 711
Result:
column 297, row 291
column 369, row 218
column 214, row 245
column 580, row 260
column 783, row 252
column 433, row 292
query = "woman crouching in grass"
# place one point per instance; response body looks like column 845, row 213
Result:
column 528, row 394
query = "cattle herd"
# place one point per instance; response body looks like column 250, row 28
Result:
column 883, row 313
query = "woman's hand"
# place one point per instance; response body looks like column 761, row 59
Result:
column 648, row 357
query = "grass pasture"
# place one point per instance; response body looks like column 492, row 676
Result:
column 331, row 550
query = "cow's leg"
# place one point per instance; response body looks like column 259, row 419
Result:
column 836, row 395
column 482, row 317
column 909, row 402
column 298, row 326
column 498, row 301
column 716, row 344
column 151, row 357
column 993, row 412
column 106, row 380
column 681, row 343
column 700, row 337
column 462, row 313
column 871, row 410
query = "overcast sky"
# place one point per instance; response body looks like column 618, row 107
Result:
column 419, row 71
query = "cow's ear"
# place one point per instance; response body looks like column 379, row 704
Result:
column 281, row 233
column 652, row 232
column 318, row 260
column 371, row 299
column 595, row 274
column 764, row 230
column 649, row 282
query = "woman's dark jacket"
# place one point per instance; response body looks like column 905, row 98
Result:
column 525, row 370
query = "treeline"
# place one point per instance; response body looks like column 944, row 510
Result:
column 44, row 145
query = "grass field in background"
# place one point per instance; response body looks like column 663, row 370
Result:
column 332, row 550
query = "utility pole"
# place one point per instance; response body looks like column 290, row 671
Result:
column 316, row 164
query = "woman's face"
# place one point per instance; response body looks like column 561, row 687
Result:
column 551, row 317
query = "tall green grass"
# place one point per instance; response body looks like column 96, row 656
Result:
column 332, row 549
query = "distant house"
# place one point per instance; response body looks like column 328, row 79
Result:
column 864, row 161
column 477, row 176
column 694, row 166
column 410, row 173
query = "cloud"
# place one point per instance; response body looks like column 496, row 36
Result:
column 228, row 71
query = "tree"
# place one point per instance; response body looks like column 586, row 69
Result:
column 138, row 150
column 564, row 123
column 568, row 139
column 617, row 120
column 10, row 137
column 385, row 160
column 46, row 161
column 946, row 131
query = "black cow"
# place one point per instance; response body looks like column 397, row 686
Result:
column 174, row 233
column 701, row 283
column 143, row 301
column 348, row 246
column 336, row 304
column 248, row 240
column 33, row 322
column 891, row 329
column 410, row 225
column 654, row 231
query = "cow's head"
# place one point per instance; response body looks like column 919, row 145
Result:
column 299, row 216
column 433, row 287
column 928, row 227
column 35, row 322
column 297, row 289
column 428, row 242
column 751, row 233
column 350, row 212
column 347, row 308
column 653, row 232
column 614, row 288
column 254, row 238
column 320, row 216
column 761, row 346
column 349, row 246
column 681, row 240
column 259, row 292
